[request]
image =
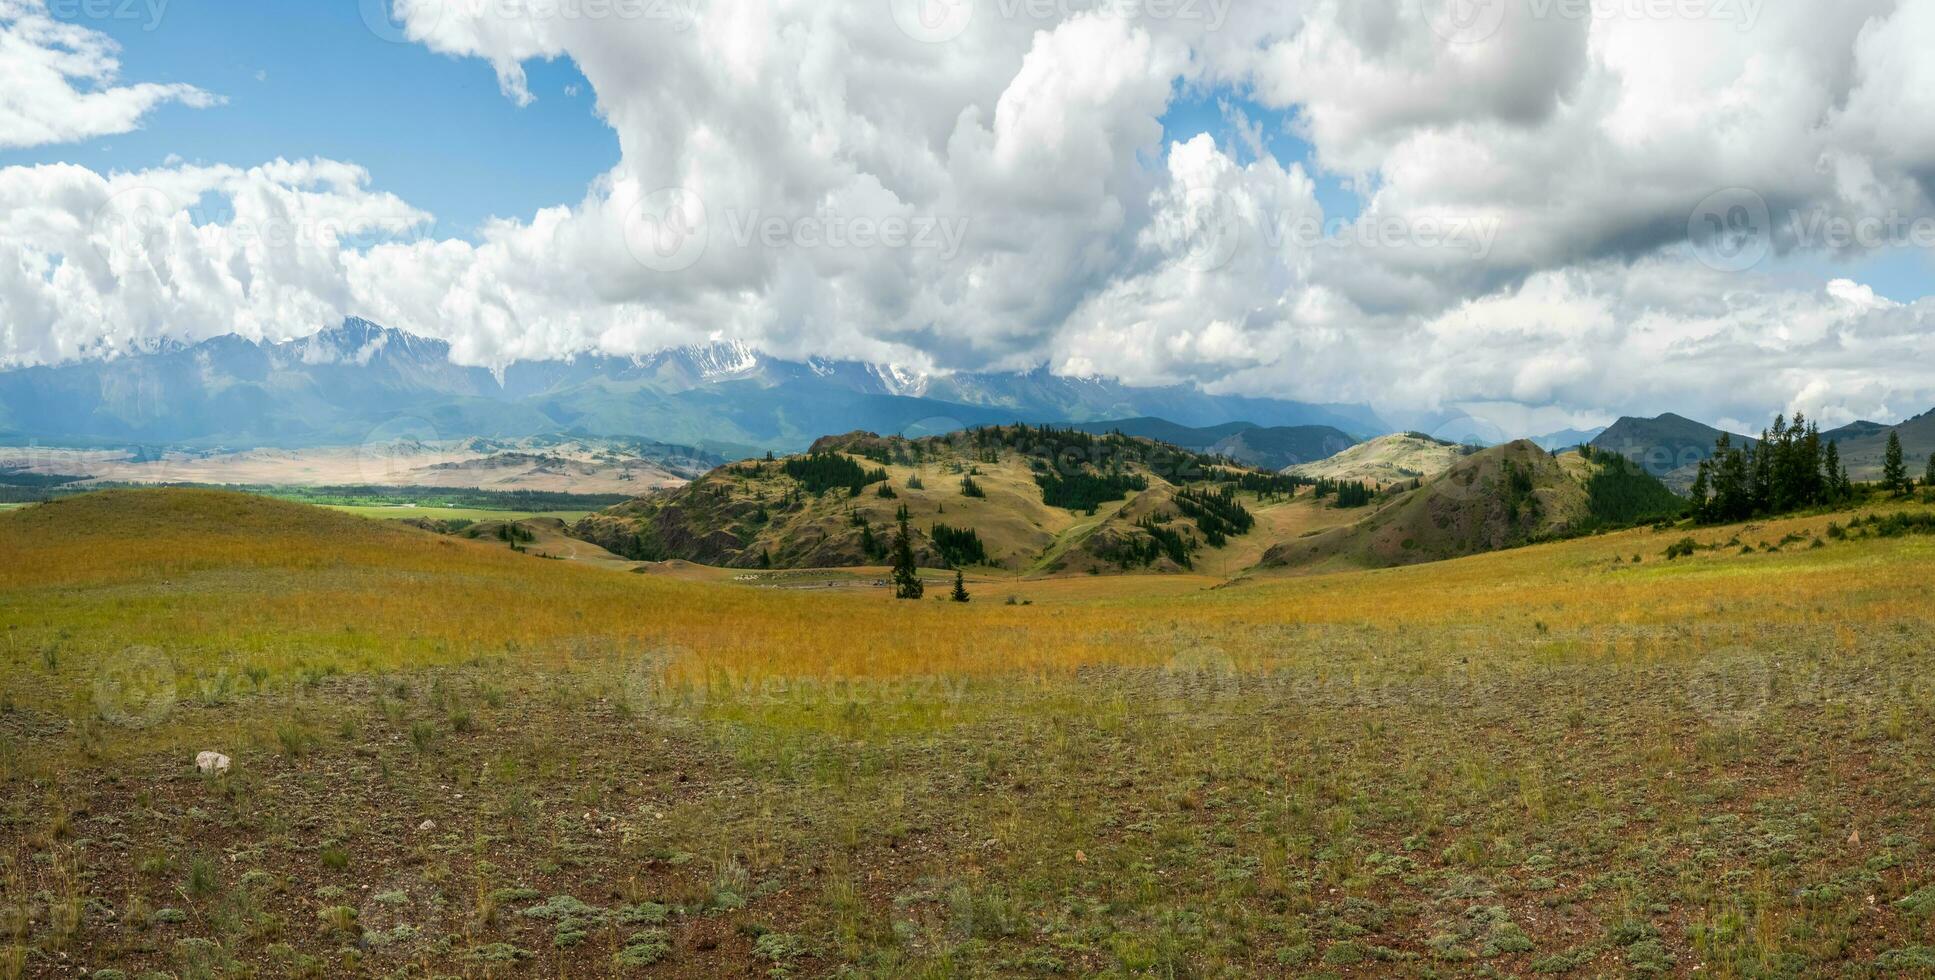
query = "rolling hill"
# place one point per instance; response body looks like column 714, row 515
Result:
column 1388, row 459
column 1016, row 498
column 1498, row 498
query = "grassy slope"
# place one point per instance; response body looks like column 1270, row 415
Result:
column 1463, row 511
column 1864, row 456
column 1386, row 459
column 712, row 520
column 1549, row 757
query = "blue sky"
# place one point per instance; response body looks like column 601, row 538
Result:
column 1218, row 114
column 307, row 78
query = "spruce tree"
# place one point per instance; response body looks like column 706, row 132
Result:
column 1894, row 474
column 960, row 587
column 1699, row 495
column 1831, row 464
column 1928, row 475
column 906, row 577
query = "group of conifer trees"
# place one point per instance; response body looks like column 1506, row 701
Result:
column 1791, row 468
column 1349, row 493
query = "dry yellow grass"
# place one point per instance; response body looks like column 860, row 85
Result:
column 1550, row 760
column 225, row 580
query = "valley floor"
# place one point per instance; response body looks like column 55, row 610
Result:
column 1575, row 759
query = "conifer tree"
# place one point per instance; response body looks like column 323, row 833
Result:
column 1928, row 475
column 906, row 577
column 1831, row 464
column 960, row 587
column 1894, row 474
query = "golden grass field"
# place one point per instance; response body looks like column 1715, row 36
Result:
column 1574, row 759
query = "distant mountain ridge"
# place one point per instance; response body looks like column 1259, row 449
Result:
column 1263, row 447
column 1669, row 447
column 355, row 381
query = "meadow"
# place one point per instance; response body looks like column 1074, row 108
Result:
column 384, row 512
column 1575, row 759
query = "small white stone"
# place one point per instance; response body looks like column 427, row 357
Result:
column 427, row 825
column 211, row 762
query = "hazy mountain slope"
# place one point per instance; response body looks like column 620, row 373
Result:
column 1280, row 446
column 1553, row 442
column 1670, row 447
column 1262, row 447
column 340, row 386
column 1863, row 444
column 1041, row 395
column 1387, row 459
column 1199, row 438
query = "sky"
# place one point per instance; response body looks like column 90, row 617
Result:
column 1543, row 213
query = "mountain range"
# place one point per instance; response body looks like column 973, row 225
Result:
column 1670, row 447
column 1263, row 447
column 358, row 381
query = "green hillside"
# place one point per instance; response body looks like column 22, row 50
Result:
column 1024, row 498
column 1498, row 498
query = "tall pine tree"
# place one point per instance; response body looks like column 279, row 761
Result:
column 1894, row 473
column 906, row 577
column 1831, row 462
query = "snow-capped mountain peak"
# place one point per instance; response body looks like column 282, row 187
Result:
column 718, row 360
